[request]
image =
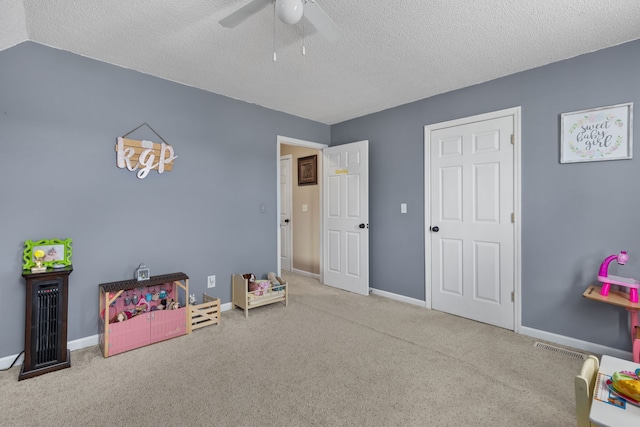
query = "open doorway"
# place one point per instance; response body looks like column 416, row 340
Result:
column 299, row 238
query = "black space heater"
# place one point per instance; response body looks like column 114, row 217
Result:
column 45, row 330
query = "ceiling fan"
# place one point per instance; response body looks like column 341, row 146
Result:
column 289, row 12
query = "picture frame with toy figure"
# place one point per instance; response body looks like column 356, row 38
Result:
column 57, row 253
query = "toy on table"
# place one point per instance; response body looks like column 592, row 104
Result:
column 628, row 384
column 603, row 276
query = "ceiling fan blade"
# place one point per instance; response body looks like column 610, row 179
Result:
column 323, row 23
column 243, row 13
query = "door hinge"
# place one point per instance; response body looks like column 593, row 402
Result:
column 513, row 296
column 513, row 217
column 513, row 139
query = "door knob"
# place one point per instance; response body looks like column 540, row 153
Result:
column 435, row 229
column 361, row 226
column 286, row 221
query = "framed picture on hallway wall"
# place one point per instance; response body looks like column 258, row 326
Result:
column 603, row 133
column 308, row 170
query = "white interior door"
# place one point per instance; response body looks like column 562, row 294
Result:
column 346, row 217
column 286, row 239
column 471, row 228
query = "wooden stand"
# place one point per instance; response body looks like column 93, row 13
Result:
column 621, row 299
column 45, row 331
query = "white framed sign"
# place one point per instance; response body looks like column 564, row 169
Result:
column 597, row 134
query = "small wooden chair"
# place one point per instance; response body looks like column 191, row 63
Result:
column 584, row 383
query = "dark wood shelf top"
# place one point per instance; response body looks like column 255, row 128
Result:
column 133, row 283
column 50, row 272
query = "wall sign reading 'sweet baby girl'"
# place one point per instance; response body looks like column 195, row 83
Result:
column 598, row 134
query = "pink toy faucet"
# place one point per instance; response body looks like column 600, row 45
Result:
column 603, row 276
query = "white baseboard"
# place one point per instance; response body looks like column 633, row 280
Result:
column 83, row 342
column 397, row 297
column 575, row 343
column 5, row 362
column 305, row 273
column 78, row 344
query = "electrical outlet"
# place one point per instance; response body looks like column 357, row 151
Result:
column 211, row 281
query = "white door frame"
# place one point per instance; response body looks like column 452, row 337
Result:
column 517, row 265
column 302, row 143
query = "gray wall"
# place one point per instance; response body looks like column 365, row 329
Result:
column 60, row 115
column 573, row 215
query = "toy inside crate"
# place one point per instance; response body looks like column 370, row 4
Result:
column 242, row 297
column 205, row 314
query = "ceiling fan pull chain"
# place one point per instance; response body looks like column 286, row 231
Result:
column 274, row 31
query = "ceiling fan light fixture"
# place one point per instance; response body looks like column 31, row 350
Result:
column 289, row 11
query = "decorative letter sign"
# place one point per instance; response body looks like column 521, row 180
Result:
column 144, row 155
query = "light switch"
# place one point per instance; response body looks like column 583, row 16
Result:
column 403, row 208
column 305, row 207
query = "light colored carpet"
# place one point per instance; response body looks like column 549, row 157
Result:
column 331, row 358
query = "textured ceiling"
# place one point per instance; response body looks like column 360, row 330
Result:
column 390, row 52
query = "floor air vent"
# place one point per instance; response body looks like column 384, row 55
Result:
column 560, row 350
